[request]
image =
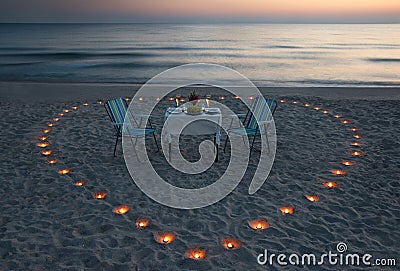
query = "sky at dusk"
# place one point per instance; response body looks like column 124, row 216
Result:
column 153, row 10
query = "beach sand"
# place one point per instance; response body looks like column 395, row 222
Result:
column 47, row 223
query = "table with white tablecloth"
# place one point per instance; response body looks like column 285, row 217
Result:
column 178, row 122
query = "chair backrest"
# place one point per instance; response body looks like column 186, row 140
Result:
column 116, row 110
column 263, row 109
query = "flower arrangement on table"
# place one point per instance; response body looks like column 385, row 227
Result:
column 194, row 97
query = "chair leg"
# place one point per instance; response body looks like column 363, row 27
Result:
column 115, row 146
column 252, row 143
column 155, row 140
column 226, row 142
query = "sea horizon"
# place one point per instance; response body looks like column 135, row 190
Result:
column 271, row 55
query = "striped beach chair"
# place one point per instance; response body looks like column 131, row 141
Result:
column 117, row 111
column 262, row 111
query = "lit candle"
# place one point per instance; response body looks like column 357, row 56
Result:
column 46, row 152
column 196, row 253
column 171, row 99
column 317, row 108
column 121, row 209
column 357, row 136
column 337, row 116
column 295, row 102
column 282, row 101
column 127, row 99
column 74, row 107
column 346, row 121
column 51, row 162
column 286, row 210
column 357, row 153
column 100, row 195
column 100, row 102
column 50, row 124
column 338, row 172
column 307, row 105
column 164, row 237
column 354, row 129
column 355, row 143
column 312, row 198
column 42, row 138
column 45, row 131
column 223, row 98
column 65, row 110
column 259, row 224
column 325, row 112
column 330, row 184
column 60, row 114
column 347, row 163
column 141, row 99
column 85, row 104
column 230, row 243
column 42, row 144
column 56, row 119
column 251, row 97
column 64, row 171
column 142, row 222
column 236, row 97
column 80, row 183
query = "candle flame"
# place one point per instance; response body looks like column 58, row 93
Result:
column 354, row 129
column 347, row 163
column 121, row 209
column 50, row 124
column 46, row 152
column 295, row 102
column 196, row 253
column 325, row 112
column 141, row 99
column 74, row 107
column 286, row 210
column 282, row 101
column 65, row 110
column 85, row 104
column 312, row 198
column 317, row 108
column 346, row 121
column 142, row 222
column 42, row 144
column 307, row 105
column 64, row 171
column 337, row 116
column 60, row 114
column 357, row 144
column 164, row 237
column 357, row 136
column 259, row 224
column 100, row 195
column 43, row 138
column 56, row 119
column 357, row 153
column 330, row 184
column 80, row 183
column 51, row 162
column 45, row 131
column 230, row 243
column 338, row 172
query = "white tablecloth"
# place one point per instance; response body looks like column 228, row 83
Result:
column 203, row 124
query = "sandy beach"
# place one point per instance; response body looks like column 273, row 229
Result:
column 48, row 223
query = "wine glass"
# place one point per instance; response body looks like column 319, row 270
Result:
column 177, row 99
column 208, row 100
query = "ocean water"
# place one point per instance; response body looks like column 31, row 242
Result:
column 268, row 54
